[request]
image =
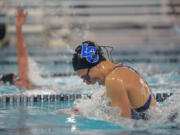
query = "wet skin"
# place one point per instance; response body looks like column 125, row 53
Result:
column 124, row 87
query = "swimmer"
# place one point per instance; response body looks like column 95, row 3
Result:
column 125, row 87
column 21, row 79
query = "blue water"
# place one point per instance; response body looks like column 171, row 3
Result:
column 160, row 69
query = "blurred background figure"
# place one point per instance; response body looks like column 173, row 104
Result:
column 123, row 23
column 21, row 79
column 54, row 28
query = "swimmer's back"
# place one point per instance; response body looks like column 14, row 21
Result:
column 136, row 87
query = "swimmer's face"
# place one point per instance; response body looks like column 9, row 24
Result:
column 91, row 76
column 84, row 74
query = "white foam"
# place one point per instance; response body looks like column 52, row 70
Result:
column 35, row 72
column 99, row 108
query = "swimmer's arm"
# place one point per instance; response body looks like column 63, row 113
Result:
column 22, row 54
column 118, row 96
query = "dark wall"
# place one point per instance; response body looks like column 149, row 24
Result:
column 2, row 31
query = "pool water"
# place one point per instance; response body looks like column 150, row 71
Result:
column 160, row 68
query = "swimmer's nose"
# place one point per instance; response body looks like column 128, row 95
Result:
column 88, row 83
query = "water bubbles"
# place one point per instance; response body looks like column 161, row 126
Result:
column 35, row 74
column 71, row 119
column 98, row 108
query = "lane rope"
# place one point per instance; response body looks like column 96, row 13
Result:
column 160, row 97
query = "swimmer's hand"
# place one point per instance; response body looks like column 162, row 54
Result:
column 20, row 16
column 75, row 111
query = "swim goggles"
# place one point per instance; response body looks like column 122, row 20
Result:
column 86, row 77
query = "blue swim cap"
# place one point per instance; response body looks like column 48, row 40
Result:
column 87, row 55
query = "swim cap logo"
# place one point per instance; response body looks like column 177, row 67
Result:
column 89, row 53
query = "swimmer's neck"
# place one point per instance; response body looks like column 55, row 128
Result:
column 106, row 67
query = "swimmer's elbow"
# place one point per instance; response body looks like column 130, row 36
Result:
column 126, row 114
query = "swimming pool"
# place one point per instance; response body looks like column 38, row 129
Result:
column 36, row 112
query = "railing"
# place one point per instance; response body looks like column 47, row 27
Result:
column 116, row 12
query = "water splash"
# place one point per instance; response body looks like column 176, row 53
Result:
column 162, row 115
column 35, row 74
column 165, row 78
column 98, row 108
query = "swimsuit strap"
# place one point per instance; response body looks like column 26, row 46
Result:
column 119, row 66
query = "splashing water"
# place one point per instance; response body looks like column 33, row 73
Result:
column 166, row 78
column 51, row 85
column 35, row 74
column 162, row 115
column 98, row 108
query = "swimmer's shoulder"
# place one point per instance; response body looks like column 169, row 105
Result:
column 114, row 84
column 118, row 72
column 125, row 71
column 122, row 73
column 113, row 76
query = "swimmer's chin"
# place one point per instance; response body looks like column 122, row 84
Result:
column 92, row 83
column 101, row 83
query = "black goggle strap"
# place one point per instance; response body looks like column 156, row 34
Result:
column 88, row 72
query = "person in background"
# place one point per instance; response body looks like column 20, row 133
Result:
column 21, row 79
column 125, row 87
